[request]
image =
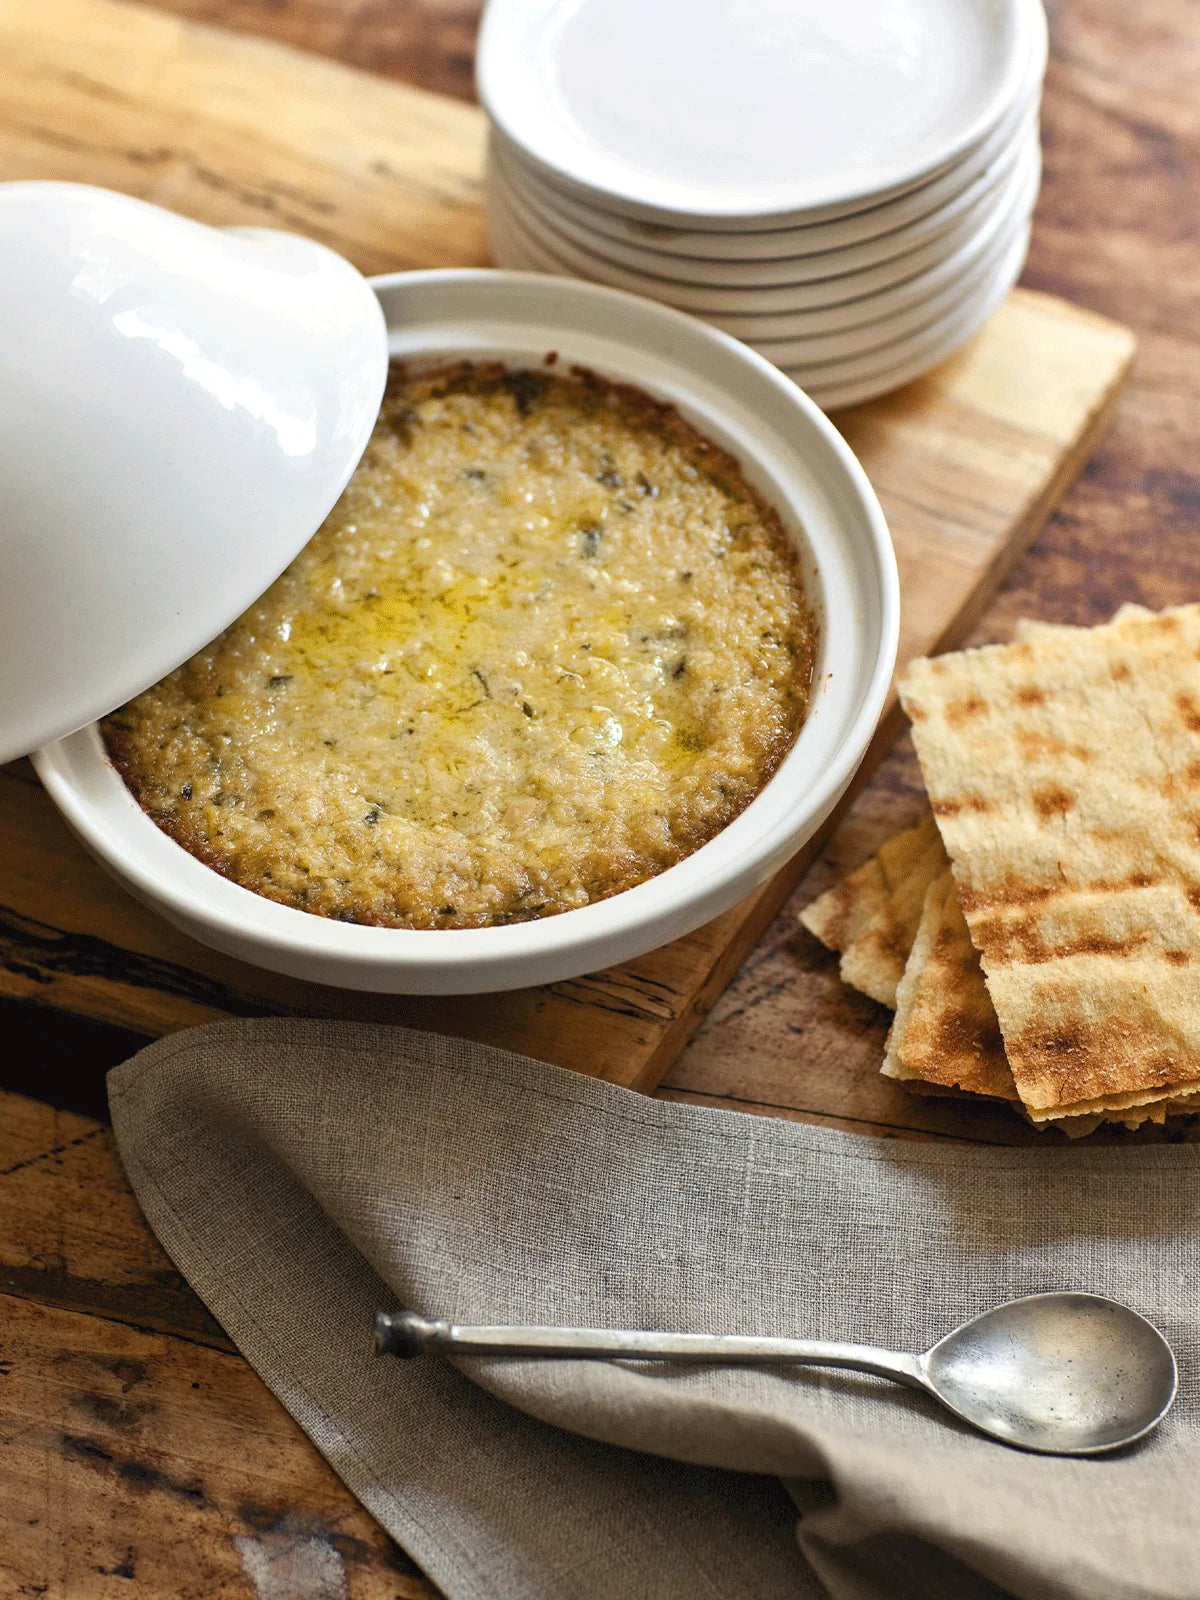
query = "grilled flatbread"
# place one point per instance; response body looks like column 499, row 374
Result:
column 874, row 961
column 955, row 1035
column 839, row 915
column 872, row 916
column 946, row 1037
column 946, row 1032
column 1064, row 771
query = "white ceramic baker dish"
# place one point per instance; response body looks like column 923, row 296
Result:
column 720, row 114
column 791, row 454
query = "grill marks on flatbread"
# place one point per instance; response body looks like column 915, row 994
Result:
column 1064, row 772
column 946, row 1032
column 946, row 1037
column 901, row 908
column 840, row 914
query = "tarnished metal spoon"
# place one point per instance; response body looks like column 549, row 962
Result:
column 1064, row 1374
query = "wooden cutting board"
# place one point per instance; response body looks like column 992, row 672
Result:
column 968, row 464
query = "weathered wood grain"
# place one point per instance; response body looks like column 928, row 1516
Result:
column 235, row 130
column 71, row 1233
column 137, row 1464
column 130, row 1433
column 967, row 462
column 430, row 43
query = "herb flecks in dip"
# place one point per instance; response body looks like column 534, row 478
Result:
column 548, row 643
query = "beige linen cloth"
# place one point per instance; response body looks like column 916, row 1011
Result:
column 303, row 1174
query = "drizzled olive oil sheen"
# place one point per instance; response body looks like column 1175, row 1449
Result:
column 547, row 644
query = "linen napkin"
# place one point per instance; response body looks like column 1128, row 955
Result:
column 304, row 1174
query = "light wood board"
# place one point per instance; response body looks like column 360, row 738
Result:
column 968, row 463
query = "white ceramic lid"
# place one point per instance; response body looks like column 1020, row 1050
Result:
column 180, row 407
column 749, row 108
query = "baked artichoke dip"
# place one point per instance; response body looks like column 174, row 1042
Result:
column 548, row 642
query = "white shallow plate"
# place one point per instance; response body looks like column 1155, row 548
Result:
column 957, row 220
column 899, row 364
column 908, row 208
column 788, row 451
column 749, row 109
column 890, row 351
column 797, row 311
column 898, row 301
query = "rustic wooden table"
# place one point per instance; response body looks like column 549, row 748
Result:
column 138, row 1448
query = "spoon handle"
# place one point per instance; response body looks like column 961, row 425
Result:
column 404, row 1333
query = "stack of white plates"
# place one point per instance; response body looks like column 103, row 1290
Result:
column 846, row 185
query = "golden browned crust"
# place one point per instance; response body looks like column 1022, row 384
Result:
column 549, row 642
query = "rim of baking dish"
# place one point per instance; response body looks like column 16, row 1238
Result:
column 789, row 451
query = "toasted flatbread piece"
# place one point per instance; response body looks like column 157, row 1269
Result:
column 839, row 915
column 946, row 1032
column 1077, row 1127
column 872, row 916
column 946, row 1036
column 1064, row 772
column 875, row 958
column 1127, row 1108
column 897, row 1059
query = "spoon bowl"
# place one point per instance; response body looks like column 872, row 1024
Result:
column 1065, row 1373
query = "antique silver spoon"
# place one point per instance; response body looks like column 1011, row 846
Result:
column 1063, row 1374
